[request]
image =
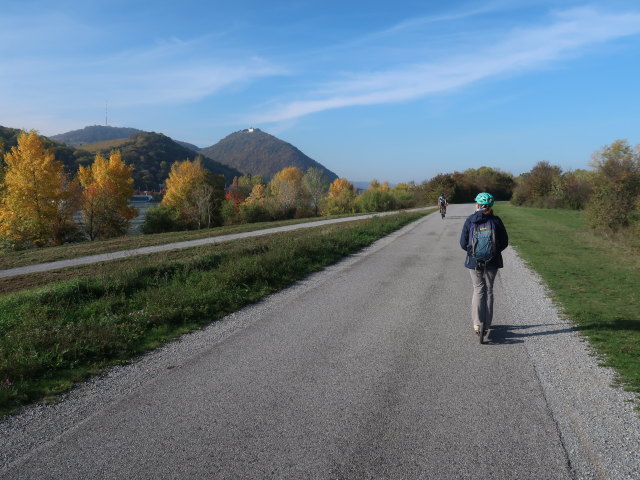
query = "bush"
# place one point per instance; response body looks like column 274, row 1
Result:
column 161, row 219
column 253, row 212
column 376, row 200
column 613, row 206
column 230, row 216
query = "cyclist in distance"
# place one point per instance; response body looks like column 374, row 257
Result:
column 442, row 204
column 483, row 229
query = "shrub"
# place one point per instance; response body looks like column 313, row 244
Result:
column 160, row 219
column 613, row 204
column 376, row 200
column 253, row 212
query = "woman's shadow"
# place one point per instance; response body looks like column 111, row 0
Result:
column 509, row 334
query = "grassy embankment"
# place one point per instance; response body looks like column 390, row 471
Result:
column 63, row 252
column 105, row 314
column 595, row 281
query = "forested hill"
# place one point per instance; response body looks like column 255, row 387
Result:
column 151, row 155
column 71, row 157
column 92, row 134
column 258, row 153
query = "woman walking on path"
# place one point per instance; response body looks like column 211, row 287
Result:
column 483, row 237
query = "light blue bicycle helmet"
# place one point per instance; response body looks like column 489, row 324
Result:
column 484, row 198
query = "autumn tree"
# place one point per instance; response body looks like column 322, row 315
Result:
column 107, row 187
column 377, row 198
column 234, row 196
column 38, row 201
column 257, row 195
column 572, row 189
column 193, row 193
column 316, row 185
column 254, row 208
column 616, row 195
column 287, row 191
column 246, row 183
column 402, row 195
column 340, row 199
column 208, row 197
column 441, row 183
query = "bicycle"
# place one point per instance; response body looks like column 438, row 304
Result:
column 443, row 210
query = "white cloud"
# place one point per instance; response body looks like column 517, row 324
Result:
column 166, row 73
column 570, row 33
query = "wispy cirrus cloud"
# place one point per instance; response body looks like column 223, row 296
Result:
column 569, row 33
column 62, row 64
column 170, row 73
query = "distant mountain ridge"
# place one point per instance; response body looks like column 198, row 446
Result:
column 255, row 152
column 93, row 134
column 249, row 151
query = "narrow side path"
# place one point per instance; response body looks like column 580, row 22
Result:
column 105, row 257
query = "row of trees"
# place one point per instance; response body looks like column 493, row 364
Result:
column 195, row 198
column 40, row 204
column 609, row 193
column 462, row 187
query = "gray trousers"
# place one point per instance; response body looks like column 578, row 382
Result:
column 482, row 299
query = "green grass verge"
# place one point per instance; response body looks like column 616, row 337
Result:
column 595, row 281
column 53, row 336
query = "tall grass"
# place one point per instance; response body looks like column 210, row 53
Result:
column 596, row 281
column 54, row 336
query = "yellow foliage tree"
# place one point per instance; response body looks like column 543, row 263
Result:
column 190, row 193
column 107, row 188
column 339, row 186
column 286, row 188
column 340, row 199
column 37, row 204
column 257, row 195
column 184, row 177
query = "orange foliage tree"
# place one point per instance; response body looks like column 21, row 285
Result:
column 234, row 195
column 341, row 198
column 107, row 188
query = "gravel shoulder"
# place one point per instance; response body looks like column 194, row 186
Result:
column 595, row 417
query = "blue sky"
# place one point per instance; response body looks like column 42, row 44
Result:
column 395, row 91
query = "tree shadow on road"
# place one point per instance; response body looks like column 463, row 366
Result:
column 509, row 334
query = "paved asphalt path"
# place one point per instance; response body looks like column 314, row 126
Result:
column 368, row 369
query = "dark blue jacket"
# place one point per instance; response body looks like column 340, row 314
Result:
column 502, row 239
